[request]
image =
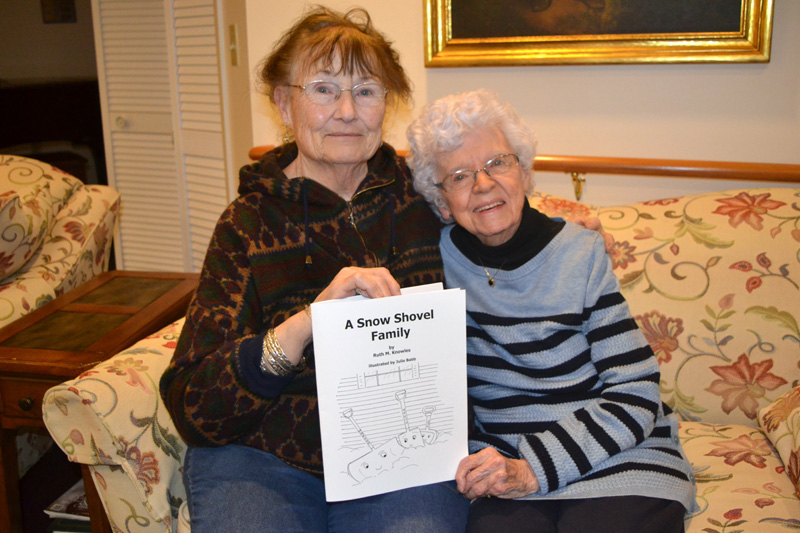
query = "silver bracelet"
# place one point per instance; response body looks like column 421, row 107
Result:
column 268, row 355
column 266, row 367
column 273, row 358
column 281, row 355
column 276, row 354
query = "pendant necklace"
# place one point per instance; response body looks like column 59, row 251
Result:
column 491, row 280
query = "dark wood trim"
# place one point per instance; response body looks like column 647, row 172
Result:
column 10, row 513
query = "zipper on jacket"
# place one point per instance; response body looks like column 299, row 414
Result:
column 351, row 216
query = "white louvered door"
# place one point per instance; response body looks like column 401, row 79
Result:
column 136, row 94
column 200, row 118
column 161, row 87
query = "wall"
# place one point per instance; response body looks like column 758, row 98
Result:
column 728, row 112
column 33, row 51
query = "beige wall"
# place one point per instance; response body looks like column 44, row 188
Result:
column 31, row 50
column 729, row 112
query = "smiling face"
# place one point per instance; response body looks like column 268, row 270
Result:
column 491, row 209
column 340, row 134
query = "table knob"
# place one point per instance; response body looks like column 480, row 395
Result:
column 26, row 404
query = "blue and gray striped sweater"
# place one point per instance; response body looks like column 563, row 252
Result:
column 560, row 375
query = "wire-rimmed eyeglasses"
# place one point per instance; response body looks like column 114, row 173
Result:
column 499, row 165
column 326, row 92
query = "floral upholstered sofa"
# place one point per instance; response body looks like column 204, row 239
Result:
column 56, row 234
column 714, row 282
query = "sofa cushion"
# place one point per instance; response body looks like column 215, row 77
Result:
column 714, row 283
column 781, row 422
column 25, row 218
column 740, row 481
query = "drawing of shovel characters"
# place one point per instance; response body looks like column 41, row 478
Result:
column 412, row 438
column 384, row 457
column 415, row 437
column 377, row 460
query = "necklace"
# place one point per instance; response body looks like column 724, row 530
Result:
column 491, row 280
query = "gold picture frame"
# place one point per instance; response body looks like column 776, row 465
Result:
column 751, row 43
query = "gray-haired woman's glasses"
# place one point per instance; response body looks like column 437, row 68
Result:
column 326, row 93
column 497, row 166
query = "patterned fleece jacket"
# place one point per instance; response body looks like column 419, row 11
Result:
column 273, row 251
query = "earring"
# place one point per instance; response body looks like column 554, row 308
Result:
column 287, row 135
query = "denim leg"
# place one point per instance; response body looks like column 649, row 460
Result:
column 437, row 508
column 243, row 490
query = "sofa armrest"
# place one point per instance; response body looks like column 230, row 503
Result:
column 113, row 415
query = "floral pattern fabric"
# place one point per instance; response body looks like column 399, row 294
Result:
column 63, row 235
column 781, row 422
column 742, row 484
column 712, row 280
column 24, row 221
column 112, row 417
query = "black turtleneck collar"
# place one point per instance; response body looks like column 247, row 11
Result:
column 534, row 232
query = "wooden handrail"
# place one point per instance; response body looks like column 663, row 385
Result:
column 722, row 170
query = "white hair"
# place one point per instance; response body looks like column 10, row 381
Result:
column 442, row 126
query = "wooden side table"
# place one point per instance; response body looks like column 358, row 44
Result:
column 66, row 337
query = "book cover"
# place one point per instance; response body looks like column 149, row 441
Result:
column 392, row 385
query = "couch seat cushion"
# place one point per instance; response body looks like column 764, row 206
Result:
column 741, row 480
column 781, row 422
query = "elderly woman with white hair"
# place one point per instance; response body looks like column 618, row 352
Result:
column 570, row 433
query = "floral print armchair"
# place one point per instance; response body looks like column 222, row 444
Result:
column 713, row 281
column 112, row 417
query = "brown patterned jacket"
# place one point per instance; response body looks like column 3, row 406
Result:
column 256, row 274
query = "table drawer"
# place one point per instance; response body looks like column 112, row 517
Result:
column 22, row 398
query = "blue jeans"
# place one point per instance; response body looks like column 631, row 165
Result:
column 241, row 489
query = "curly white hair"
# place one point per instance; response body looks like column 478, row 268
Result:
column 442, row 126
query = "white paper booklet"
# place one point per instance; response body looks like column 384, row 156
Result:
column 392, row 385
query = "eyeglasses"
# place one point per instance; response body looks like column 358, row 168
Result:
column 496, row 167
column 326, row 93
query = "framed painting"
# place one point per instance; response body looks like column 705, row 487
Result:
column 472, row 33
